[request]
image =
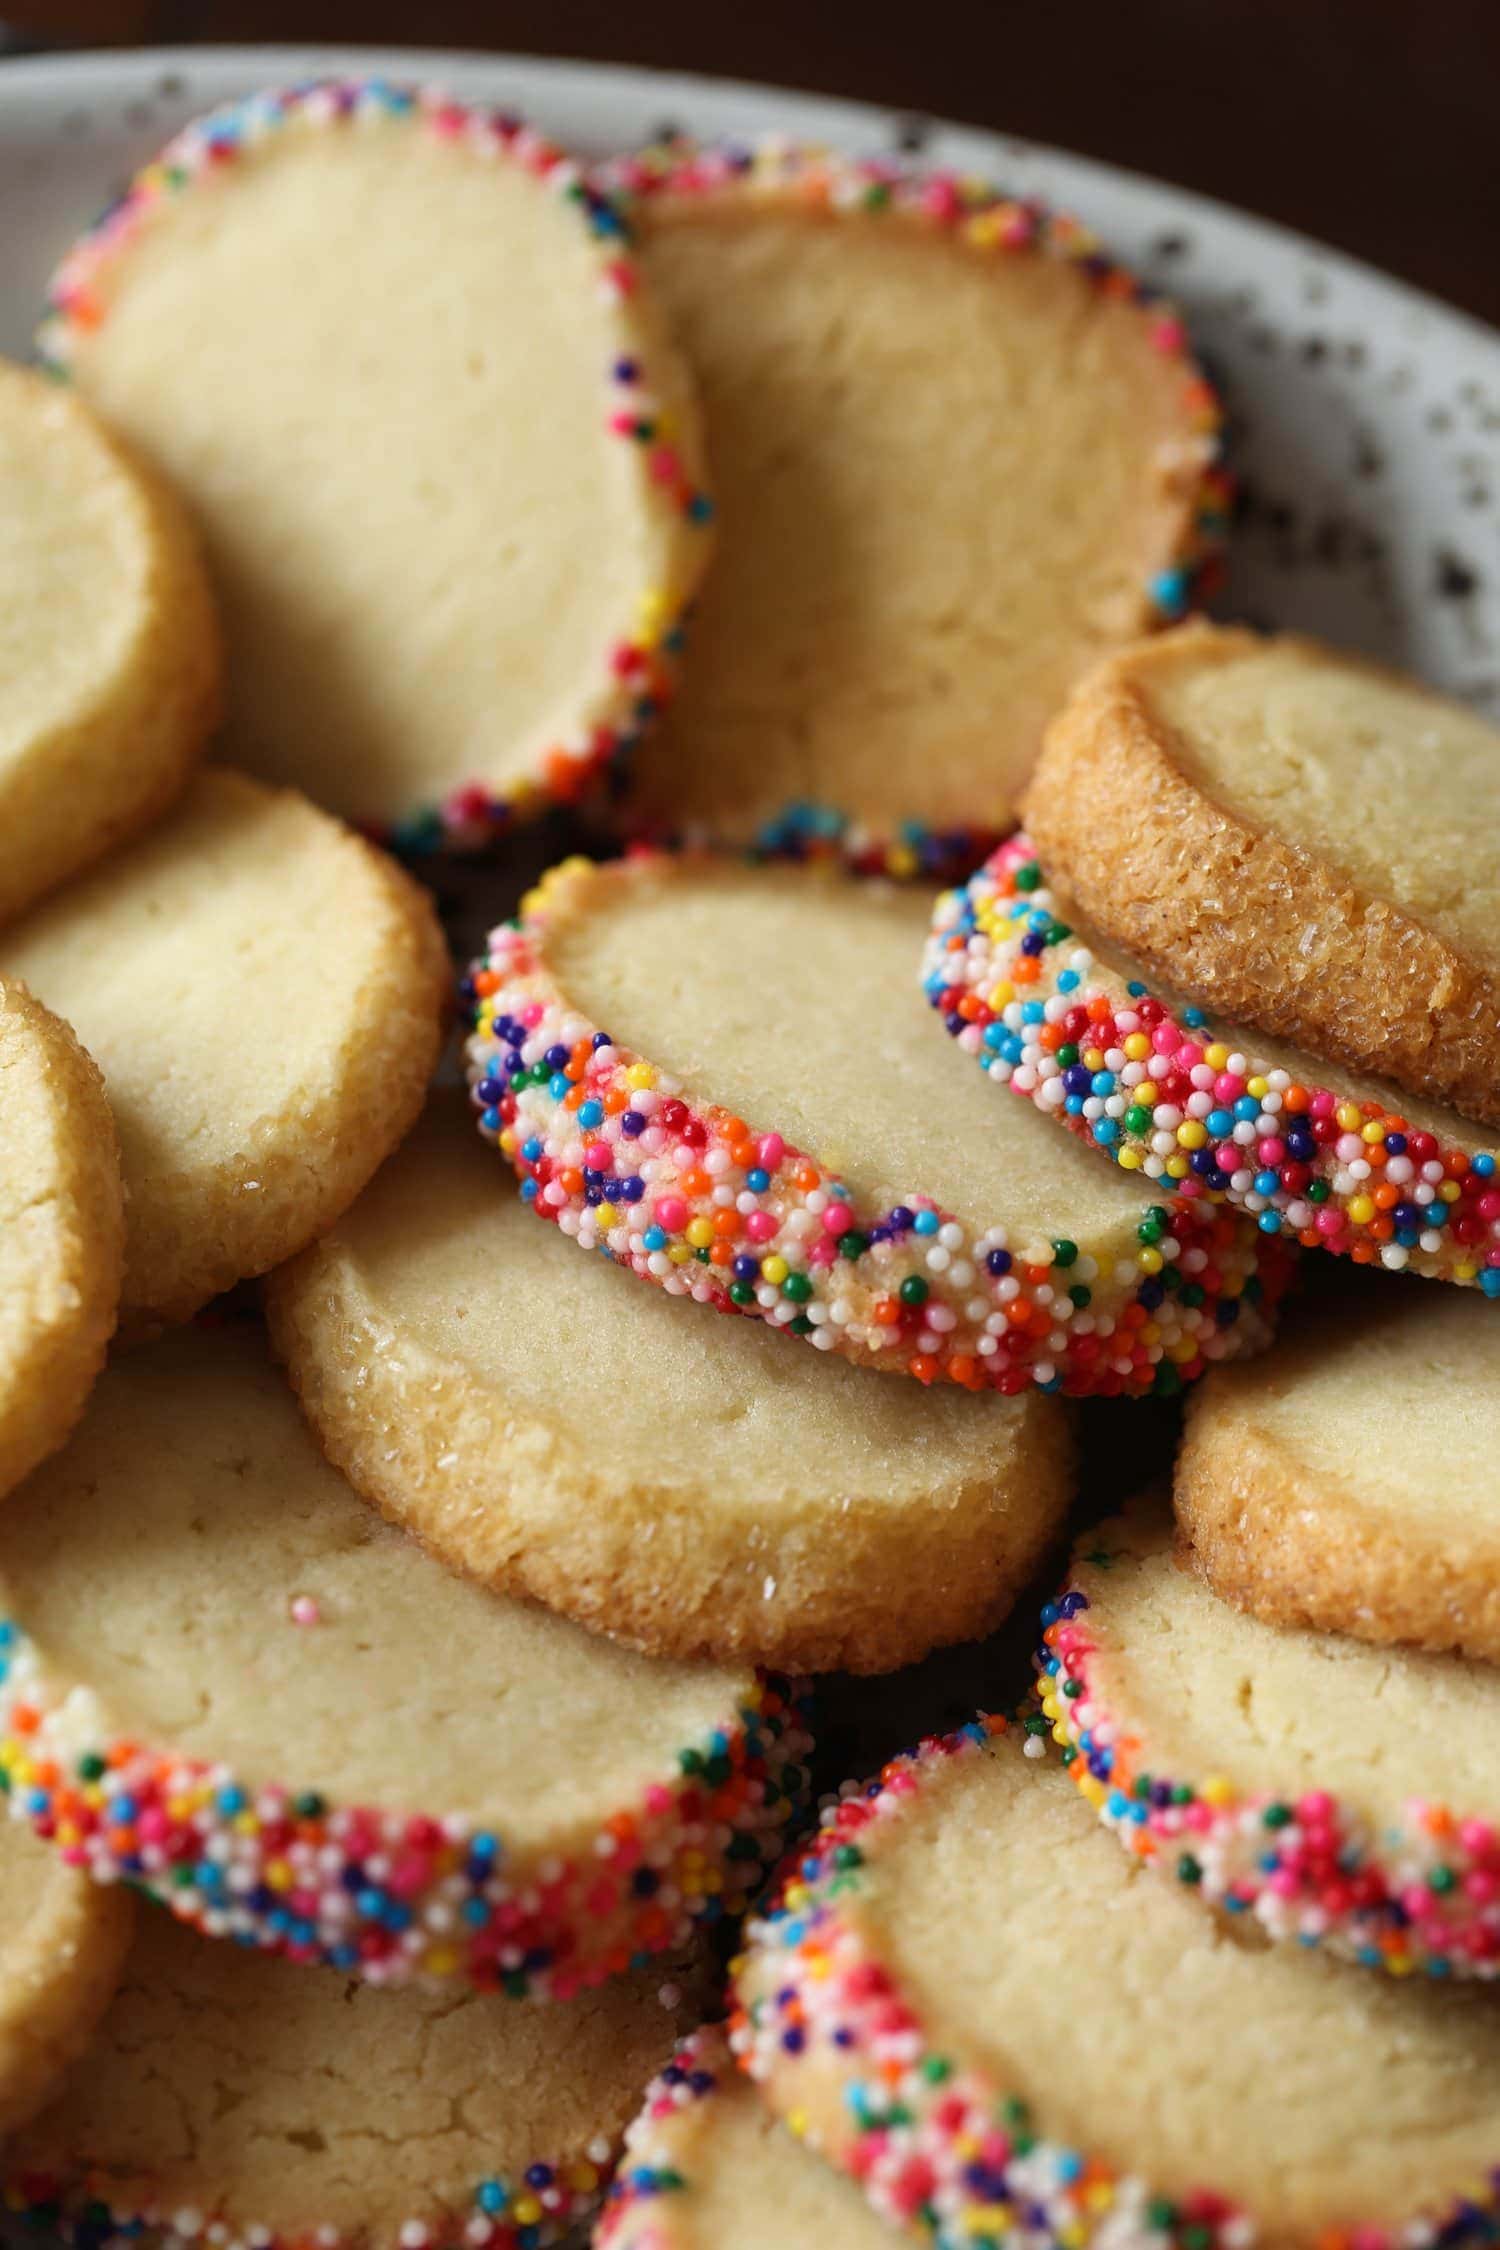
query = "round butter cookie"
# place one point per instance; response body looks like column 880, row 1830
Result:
column 109, row 647
column 878, row 1201
column 1356, row 1486
column 969, row 1998
column 958, row 456
column 62, row 1942
column 1300, row 839
column 405, row 366
column 709, row 2166
column 1343, row 1795
column 227, row 1680
column 1344, row 1163
column 244, row 2103
column 62, row 1231
column 692, row 1487
column 265, row 995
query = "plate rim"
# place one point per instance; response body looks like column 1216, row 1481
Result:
column 281, row 62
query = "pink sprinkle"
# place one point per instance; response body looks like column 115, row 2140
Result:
column 671, row 1213
column 838, row 1219
column 305, row 1611
column 771, row 1148
column 760, row 1226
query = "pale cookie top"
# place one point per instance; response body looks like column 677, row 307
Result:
column 795, row 1002
column 1143, row 2040
column 1395, row 785
column 1296, row 837
column 444, row 456
column 263, row 993
column 62, row 1230
column 726, row 1076
column 709, row 2166
column 537, row 1418
column 326, row 1745
column 278, row 2102
column 954, row 462
column 406, row 1689
column 108, row 651
column 1340, row 1793
column 62, row 1940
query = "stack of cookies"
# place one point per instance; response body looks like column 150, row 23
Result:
column 414, row 1611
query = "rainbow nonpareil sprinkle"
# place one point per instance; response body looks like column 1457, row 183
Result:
column 392, row 1896
column 1420, row 1894
column 638, row 668
column 648, row 2178
column 706, row 1204
column 942, row 2151
column 1181, row 1102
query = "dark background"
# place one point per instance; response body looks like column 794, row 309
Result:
column 1374, row 124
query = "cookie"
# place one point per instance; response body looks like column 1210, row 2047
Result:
column 1342, row 1162
column 109, row 647
column 708, row 2166
column 265, row 995
column 1355, row 1488
column 692, row 1487
column 878, row 1201
column 252, row 2105
column 958, row 456
column 62, row 1231
column 62, row 1943
column 971, row 1999
column 1336, row 1792
column 228, row 1681
column 1300, row 839
column 406, row 368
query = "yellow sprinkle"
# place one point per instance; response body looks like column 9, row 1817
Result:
column 1450, row 1191
column 1372, row 1132
column 1362, row 1210
column 1216, row 1056
column 1217, row 1791
column 639, row 1075
column 901, row 861
column 679, row 1253
column 1191, row 1134
column 1129, row 1159
column 1137, row 1047
column 607, row 1215
column 1258, row 1088
column 775, row 1271
column 1348, row 1117
column 700, row 1233
column 1001, row 997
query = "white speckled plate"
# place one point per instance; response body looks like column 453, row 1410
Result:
column 1365, row 418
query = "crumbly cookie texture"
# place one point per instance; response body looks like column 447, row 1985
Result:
column 1357, row 1489
column 725, row 1076
column 109, row 646
column 325, row 1744
column 1342, row 1795
column 968, row 1997
column 62, row 1231
column 1208, row 1108
column 1302, row 840
column 545, row 1425
column 63, row 1941
column 958, row 455
column 265, row 995
column 709, row 2166
column 444, row 451
column 284, row 2106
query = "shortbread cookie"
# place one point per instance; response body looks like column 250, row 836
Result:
column 1340, row 1794
column 1355, row 1486
column 1345, row 1163
column 252, row 2105
column 62, row 1942
column 878, row 1200
column 709, row 2166
column 229, row 1681
column 406, row 368
column 958, row 456
column 1300, row 839
column 972, row 2000
column 265, row 996
column 109, row 648
column 62, row 1231
column 542, row 1423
